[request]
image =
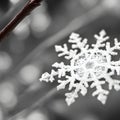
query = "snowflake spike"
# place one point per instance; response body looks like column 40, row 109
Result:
column 63, row 50
column 102, row 36
column 57, row 48
column 83, row 91
column 108, row 46
column 65, row 46
column 118, row 71
column 102, row 98
column 85, row 40
column 97, row 83
column 45, row 77
column 89, row 66
column 53, row 72
column 73, row 36
column 116, row 41
column 69, row 101
column 62, row 84
column 117, row 87
column 70, row 97
column 56, row 65
column 87, row 47
column 102, row 33
column 117, row 44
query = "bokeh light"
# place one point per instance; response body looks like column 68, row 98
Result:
column 7, row 95
column 5, row 61
column 37, row 115
column 89, row 117
column 1, row 114
column 88, row 3
column 14, row 1
column 22, row 30
column 29, row 73
column 40, row 21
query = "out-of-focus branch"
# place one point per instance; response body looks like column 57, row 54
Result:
column 41, row 102
column 30, row 5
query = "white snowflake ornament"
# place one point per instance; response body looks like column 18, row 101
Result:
column 89, row 66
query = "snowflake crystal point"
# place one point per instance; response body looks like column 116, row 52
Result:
column 61, row 85
column 91, row 67
column 70, row 98
column 45, row 77
column 74, row 36
column 102, row 98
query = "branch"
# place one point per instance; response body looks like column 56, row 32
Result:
column 9, row 15
column 38, row 104
column 30, row 6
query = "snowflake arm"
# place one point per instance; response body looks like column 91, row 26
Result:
column 100, row 39
column 63, row 51
column 111, row 50
column 71, row 96
column 78, row 42
column 46, row 77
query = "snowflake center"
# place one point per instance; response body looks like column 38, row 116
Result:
column 89, row 65
column 79, row 72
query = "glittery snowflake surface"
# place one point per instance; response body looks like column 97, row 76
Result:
column 89, row 66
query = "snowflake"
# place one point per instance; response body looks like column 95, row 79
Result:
column 90, row 66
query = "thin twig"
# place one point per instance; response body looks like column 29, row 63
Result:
column 30, row 6
column 8, row 16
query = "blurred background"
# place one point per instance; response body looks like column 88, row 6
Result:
column 29, row 51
